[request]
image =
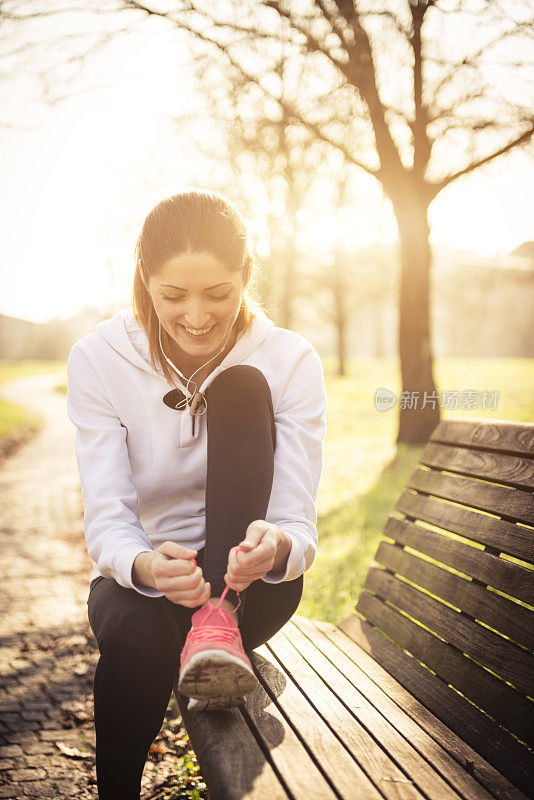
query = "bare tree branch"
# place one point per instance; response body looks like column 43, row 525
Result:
column 524, row 137
column 52, row 12
column 421, row 140
column 314, row 45
column 217, row 23
column 336, row 24
column 460, row 101
column 389, row 15
column 289, row 110
column 470, row 60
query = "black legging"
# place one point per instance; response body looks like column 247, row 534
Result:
column 140, row 638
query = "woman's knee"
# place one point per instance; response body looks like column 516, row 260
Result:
column 242, row 393
column 245, row 377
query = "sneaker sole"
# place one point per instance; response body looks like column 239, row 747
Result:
column 215, row 672
column 218, row 703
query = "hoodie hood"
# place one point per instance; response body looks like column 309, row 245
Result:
column 127, row 337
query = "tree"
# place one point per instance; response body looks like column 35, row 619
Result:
column 415, row 93
column 427, row 109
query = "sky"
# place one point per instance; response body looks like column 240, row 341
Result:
column 77, row 179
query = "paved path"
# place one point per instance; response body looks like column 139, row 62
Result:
column 48, row 651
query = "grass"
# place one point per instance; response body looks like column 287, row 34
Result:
column 364, row 472
column 17, row 423
column 10, row 370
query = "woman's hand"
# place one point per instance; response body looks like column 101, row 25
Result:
column 175, row 574
column 266, row 545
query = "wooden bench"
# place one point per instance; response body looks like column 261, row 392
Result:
column 426, row 691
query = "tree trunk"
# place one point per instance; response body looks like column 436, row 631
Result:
column 341, row 348
column 379, row 313
column 419, row 413
column 339, row 303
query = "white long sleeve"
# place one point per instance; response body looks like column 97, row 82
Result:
column 112, row 528
column 143, row 472
column 300, row 421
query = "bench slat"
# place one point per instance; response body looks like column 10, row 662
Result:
column 373, row 740
column 500, row 435
column 417, row 763
column 501, row 614
column 488, row 648
column 502, row 750
column 289, row 756
column 501, row 701
column 514, row 540
column 516, row 505
column 515, row 471
column 219, row 739
column 455, row 724
column 283, row 681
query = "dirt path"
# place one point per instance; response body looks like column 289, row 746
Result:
column 48, row 651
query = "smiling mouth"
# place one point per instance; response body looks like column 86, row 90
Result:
column 198, row 332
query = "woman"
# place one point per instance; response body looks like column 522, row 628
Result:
column 199, row 500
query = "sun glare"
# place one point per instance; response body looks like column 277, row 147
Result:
column 75, row 187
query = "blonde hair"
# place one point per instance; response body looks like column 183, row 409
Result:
column 194, row 221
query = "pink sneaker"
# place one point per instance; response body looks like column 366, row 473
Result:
column 213, row 661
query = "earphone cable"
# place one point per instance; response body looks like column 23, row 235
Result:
column 191, row 395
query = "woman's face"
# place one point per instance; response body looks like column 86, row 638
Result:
column 197, row 300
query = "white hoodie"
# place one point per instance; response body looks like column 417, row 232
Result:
column 143, row 469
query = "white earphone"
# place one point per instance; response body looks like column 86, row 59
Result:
column 186, row 402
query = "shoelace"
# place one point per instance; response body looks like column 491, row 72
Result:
column 207, row 631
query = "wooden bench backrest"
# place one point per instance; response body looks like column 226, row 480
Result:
column 450, row 613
